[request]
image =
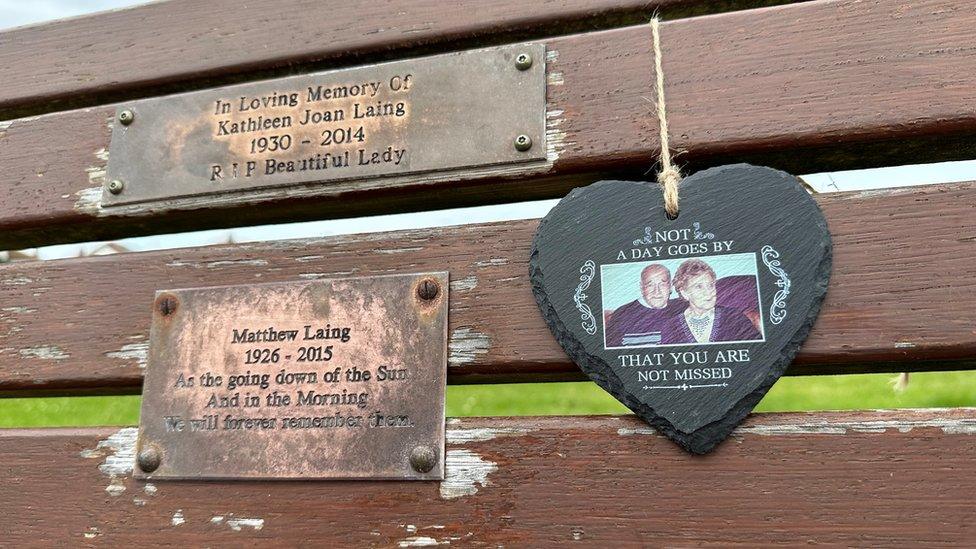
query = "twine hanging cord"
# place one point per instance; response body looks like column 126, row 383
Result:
column 669, row 176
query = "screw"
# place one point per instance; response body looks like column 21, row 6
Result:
column 423, row 459
column 523, row 143
column 523, row 61
column 149, row 458
column 115, row 186
column 427, row 289
column 167, row 305
column 126, row 117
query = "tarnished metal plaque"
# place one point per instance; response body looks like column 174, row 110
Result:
column 331, row 379
column 432, row 114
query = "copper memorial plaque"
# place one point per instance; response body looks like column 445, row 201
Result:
column 330, row 379
column 444, row 113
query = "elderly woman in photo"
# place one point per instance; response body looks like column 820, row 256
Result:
column 702, row 321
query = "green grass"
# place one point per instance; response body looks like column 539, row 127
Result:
column 926, row 390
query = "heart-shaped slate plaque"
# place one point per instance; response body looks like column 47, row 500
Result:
column 687, row 322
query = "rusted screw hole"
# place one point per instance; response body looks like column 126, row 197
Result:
column 126, row 117
column 523, row 61
column 423, row 459
column 149, row 458
column 427, row 290
column 167, row 305
column 523, row 143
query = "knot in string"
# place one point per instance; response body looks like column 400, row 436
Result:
column 669, row 176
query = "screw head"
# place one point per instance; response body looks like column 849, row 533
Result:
column 423, row 459
column 523, row 143
column 523, row 61
column 115, row 186
column 167, row 305
column 149, row 458
column 126, row 117
column 427, row 289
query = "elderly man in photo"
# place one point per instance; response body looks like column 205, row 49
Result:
column 702, row 321
column 639, row 322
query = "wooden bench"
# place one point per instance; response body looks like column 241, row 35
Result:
column 806, row 87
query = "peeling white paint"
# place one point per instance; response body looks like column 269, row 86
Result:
column 18, row 310
column 947, row 425
column 552, row 55
column 625, row 431
column 119, row 451
column 555, row 137
column 462, row 436
column 316, row 276
column 420, row 541
column 92, row 532
column 464, row 284
column 463, row 471
column 133, row 351
column 217, row 264
column 397, row 250
column 17, row 281
column 307, row 258
column 44, row 352
column 89, row 201
column 115, row 487
column 150, row 489
column 178, row 518
column 237, row 524
column 251, row 262
column 139, row 502
column 465, row 346
column 492, row 262
column 808, row 429
column 904, row 345
column 412, row 529
column 555, row 78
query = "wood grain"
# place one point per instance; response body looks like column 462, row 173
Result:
column 188, row 43
column 897, row 478
column 901, row 295
column 831, row 96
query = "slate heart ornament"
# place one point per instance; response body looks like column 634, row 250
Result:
column 688, row 322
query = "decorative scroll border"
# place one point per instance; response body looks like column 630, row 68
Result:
column 701, row 235
column 588, row 271
column 647, row 239
column 770, row 258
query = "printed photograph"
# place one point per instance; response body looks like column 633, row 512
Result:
column 698, row 300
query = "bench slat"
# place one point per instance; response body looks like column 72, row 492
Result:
column 832, row 96
column 136, row 50
column 893, row 478
column 901, row 296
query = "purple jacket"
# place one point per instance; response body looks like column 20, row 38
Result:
column 729, row 325
column 634, row 325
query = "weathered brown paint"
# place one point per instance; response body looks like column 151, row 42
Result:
column 137, row 50
column 899, row 298
column 833, row 96
column 894, row 478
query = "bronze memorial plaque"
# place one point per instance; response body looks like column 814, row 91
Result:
column 327, row 379
column 442, row 114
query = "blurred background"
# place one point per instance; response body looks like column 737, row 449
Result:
column 934, row 389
